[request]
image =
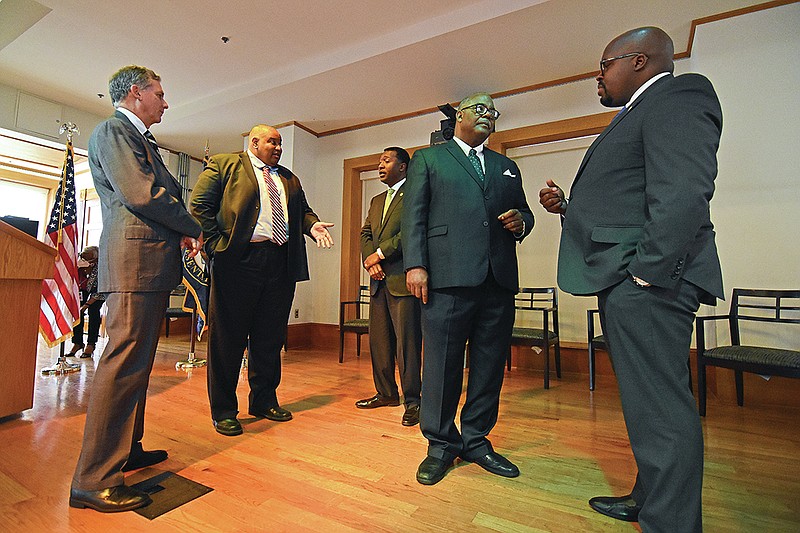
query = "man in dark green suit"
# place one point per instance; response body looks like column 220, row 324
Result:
column 637, row 233
column 464, row 213
column 394, row 315
column 254, row 214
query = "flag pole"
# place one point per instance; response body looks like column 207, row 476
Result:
column 62, row 366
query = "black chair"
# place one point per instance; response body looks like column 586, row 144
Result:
column 359, row 324
column 175, row 312
column 595, row 342
column 541, row 301
column 779, row 307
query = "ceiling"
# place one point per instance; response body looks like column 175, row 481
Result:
column 325, row 64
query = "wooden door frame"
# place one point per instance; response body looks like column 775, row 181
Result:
column 500, row 141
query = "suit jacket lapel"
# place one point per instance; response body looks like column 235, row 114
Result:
column 616, row 120
column 456, row 151
column 392, row 206
column 492, row 163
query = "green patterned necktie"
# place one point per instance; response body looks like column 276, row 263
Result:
column 473, row 158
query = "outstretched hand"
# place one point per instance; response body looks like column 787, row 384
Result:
column 552, row 198
column 320, row 233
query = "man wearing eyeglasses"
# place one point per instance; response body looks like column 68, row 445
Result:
column 637, row 234
column 464, row 213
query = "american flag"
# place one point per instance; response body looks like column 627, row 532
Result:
column 60, row 296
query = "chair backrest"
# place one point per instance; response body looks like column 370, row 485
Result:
column 763, row 305
column 541, row 298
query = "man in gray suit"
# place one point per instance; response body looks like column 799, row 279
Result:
column 145, row 224
column 394, row 314
column 464, row 213
column 637, row 233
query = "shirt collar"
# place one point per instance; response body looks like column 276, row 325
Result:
column 644, row 87
column 466, row 148
column 397, row 185
column 259, row 164
column 136, row 121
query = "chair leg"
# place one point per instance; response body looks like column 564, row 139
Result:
column 701, row 386
column 558, row 360
column 591, row 366
column 166, row 326
column 508, row 359
column 358, row 345
column 739, row 387
column 341, row 345
column 546, row 366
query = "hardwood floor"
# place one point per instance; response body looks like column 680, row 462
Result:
column 335, row 468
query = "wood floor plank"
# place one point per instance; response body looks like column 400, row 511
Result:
column 337, row 468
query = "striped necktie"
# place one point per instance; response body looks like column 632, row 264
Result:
column 149, row 136
column 278, row 221
column 473, row 158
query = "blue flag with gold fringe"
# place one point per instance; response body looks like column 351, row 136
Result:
column 196, row 281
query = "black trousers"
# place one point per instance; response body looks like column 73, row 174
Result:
column 649, row 332
column 94, row 322
column 484, row 315
column 248, row 307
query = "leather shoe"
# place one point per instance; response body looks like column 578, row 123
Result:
column 377, row 401
column 496, row 464
column 622, row 507
column 141, row 459
column 432, row 470
column 276, row 414
column 110, row 500
column 230, row 427
column 411, row 416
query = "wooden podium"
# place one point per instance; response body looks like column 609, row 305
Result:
column 24, row 263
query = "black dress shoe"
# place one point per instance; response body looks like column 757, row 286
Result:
column 377, row 401
column 230, row 427
column 110, row 500
column 141, row 459
column 496, row 464
column 622, row 507
column 411, row 416
column 276, row 414
column 432, row 470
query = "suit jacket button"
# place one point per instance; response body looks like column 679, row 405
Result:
column 485, row 223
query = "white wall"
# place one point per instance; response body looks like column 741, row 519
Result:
column 752, row 61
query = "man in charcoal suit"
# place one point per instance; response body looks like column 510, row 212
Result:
column 394, row 314
column 464, row 213
column 637, row 233
column 145, row 224
column 254, row 215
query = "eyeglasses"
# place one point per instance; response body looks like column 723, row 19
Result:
column 482, row 109
column 610, row 59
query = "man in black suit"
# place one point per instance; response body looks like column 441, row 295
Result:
column 254, row 214
column 145, row 224
column 464, row 213
column 637, row 233
column 394, row 314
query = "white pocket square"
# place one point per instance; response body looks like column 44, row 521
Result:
column 509, row 174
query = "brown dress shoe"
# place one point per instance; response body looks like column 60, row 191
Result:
column 110, row 500
column 377, row 401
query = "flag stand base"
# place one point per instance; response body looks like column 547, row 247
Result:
column 191, row 361
column 61, row 367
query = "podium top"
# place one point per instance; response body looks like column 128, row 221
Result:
column 22, row 256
